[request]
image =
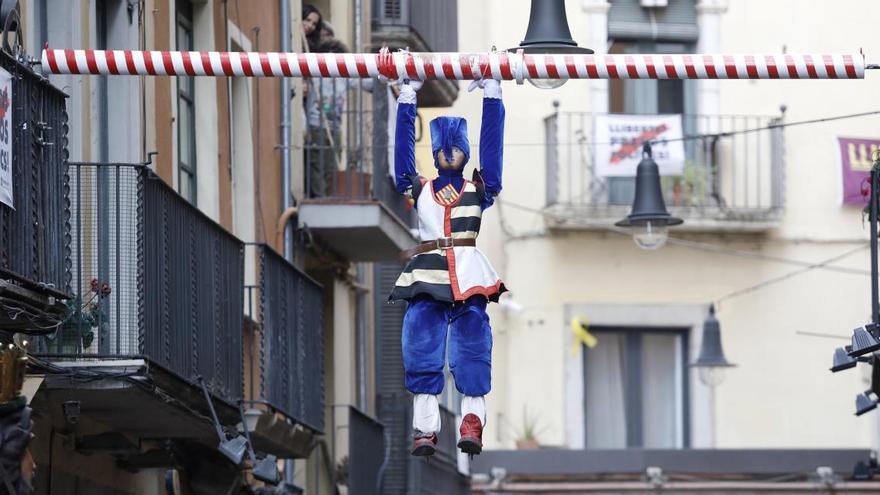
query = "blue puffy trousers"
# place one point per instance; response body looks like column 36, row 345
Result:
column 425, row 328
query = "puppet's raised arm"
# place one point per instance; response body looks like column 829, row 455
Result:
column 405, row 173
column 492, row 141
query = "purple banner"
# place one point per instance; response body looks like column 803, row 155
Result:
column 856, row 159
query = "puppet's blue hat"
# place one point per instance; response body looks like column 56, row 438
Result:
column 447, row 132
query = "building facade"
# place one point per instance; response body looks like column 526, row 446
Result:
column 188, row 272
column 759, row 208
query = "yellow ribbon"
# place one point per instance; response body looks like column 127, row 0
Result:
column 580, row 327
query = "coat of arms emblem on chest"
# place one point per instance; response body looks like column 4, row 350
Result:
column 447, row 195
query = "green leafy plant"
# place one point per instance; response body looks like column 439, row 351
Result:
column 527, row 434
column 688, row 189
column 77, row 332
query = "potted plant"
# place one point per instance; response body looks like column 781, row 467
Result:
column 77, row 333
column 527, row 437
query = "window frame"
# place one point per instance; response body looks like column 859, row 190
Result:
column 186, row 101
column 632, row 382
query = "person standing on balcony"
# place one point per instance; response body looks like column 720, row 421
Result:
column 326, row 106
column 448, row 282
column 312, row 26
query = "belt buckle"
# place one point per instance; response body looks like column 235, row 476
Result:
column 444, row 243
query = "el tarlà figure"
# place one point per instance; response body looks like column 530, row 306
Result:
column 448, row 282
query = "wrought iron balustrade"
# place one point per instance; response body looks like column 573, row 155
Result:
column 367, row 453
column 420, row 26
column 434, row 21
column 340, row 144
column 729, row 175
column 33, row 232
column 153, row 277
column 288, row 306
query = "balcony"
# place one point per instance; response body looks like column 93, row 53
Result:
column 442, row 474
column 286, row 364
column 367, row 453
column 157, row 305
column 33, row 256
column 732, row 181
column 697, row 471
column 349, row 188
column 420, row 26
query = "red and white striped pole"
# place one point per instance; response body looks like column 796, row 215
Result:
column 460, row 66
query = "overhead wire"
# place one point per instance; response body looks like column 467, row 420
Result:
column 704, row 246
column 708, row 135
column 708, row 246
column 786, row 276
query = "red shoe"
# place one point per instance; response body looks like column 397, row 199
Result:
column 424, row 445
column 471, row 435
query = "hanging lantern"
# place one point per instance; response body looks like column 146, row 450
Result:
column 711, row 361
column 648, row 218
column 548, row 32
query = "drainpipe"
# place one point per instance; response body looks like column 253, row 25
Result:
column 286, row 195
column 287, row 199
column 359, row 47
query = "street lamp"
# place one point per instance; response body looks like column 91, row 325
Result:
column 842, row 359
column 648, row 220
column 711, row 362
column 548, row 33
column 866, row 400
column 864, row 403
column 866, row 339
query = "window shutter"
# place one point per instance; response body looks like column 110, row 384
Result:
column 628, row 20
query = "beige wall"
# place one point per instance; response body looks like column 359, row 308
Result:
column 781, row 394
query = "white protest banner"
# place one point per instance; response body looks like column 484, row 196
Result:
column 6, row 138
column 619, row 141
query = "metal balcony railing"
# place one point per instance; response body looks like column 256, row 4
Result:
column 730, row 176
column 288, row 306
column 419, row 26
column 435, row 21
column 153, row 277
column 32, row 235
column 339, row 147
column 367, row 453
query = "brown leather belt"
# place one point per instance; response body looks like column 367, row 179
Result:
column 441, row 243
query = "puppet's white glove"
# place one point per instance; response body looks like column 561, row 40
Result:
column 408, row 91
column 491, row 88
column 388, row 72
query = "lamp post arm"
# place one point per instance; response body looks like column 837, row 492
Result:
column 875, row 201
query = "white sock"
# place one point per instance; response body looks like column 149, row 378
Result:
column 474, row 405
column 426, row 413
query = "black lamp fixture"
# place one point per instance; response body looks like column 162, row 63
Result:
column 233, row 448
column 864, row 340
column 648, row 219
column 711, row 361
column 864, row 403
column 842, row 359
column 867, row 400
column 548, row 32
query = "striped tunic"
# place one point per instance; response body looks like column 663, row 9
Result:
column 449, row 274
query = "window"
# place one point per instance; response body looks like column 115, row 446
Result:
column 186, row 111
column 635, row 389
column 644, row 96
